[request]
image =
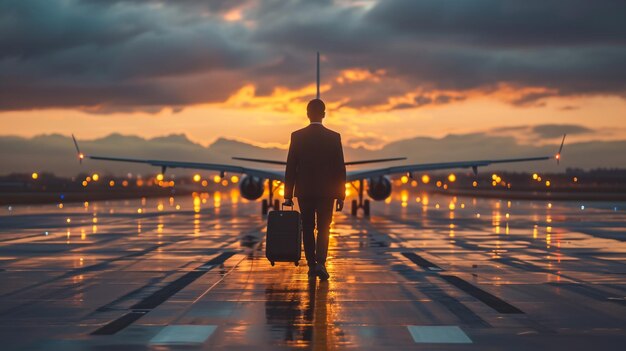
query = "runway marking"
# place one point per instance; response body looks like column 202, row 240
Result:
column 158, row 297
column 488, row 299
column 438, row 334
column 120, row 323
column 183, row 334
column 422, row 262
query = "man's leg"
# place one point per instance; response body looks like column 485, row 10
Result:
column 307, row 211
column 324, row 218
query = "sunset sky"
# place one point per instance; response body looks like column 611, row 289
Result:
column 244, row 69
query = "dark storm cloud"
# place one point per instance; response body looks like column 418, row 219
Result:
column 503, row 23
column 150, row 53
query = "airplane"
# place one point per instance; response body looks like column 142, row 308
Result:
column 379, row 187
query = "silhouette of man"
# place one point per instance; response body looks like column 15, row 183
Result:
column 315, row 167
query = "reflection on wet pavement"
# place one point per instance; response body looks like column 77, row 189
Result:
column 435, row 271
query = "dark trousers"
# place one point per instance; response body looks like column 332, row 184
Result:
column 311, row 209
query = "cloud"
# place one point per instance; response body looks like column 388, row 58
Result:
column 557, row 130
column 542, row 132
column 124, row 55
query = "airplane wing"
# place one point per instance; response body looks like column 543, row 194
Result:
column 262, row 173
column 165, row 164
column 373, row 173
column 379, row 172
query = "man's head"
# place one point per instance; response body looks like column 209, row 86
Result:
column 316, row 110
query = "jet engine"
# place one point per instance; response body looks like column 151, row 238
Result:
column 379, row 188
column 251, row 188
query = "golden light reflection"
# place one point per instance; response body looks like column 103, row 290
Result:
column 217, row 179
column 217, row 199
column 34, row 175
column 95, row 177
column 404, row 179
column 234, row 179
column 234, row 196
column 196, row 203
column 196, row 224
column 196, row 178
column 425, row 179
column 160, row 177
column 452, row 178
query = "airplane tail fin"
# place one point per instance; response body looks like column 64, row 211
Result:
column 558, row 154
column 81, row 156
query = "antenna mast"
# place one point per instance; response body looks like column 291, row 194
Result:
column 318, row 74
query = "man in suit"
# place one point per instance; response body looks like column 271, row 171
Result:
column 315, row 167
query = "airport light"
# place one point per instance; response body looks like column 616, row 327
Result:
column 216, row 179
column 35, row 175
column 234, row 179
column 125, row 183
column 452, row 206
column 224, row 182
column 112, row 183
column 474, row 184
column 159, row 177
column 196, row 178
column 84, row 183
column 404, row 179
column 425, row 179
column 95, row 177
column 205, row 183
column 535, row 176
column 88, row 179
column 494, row 176
column 548, row 183
column 452, row 178
column 438, row 184
column 575, row 179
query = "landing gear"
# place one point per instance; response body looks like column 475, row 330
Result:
column 264, row 207
column 272, row 203
column 366, row 208
column 365, row 205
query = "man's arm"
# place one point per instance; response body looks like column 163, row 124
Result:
column 341, row 170
column 291, row 169
column 341, row 176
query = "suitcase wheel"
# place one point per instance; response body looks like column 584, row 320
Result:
column 272, row 262
column 296, row 263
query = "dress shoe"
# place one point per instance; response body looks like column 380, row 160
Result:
column 321, row 272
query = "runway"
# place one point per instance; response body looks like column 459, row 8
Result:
column 435, row 273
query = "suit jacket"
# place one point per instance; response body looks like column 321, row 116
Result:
column 315, row 165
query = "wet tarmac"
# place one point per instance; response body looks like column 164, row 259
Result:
column 436, row 273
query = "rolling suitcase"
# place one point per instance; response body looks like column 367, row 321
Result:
column 284, row 236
